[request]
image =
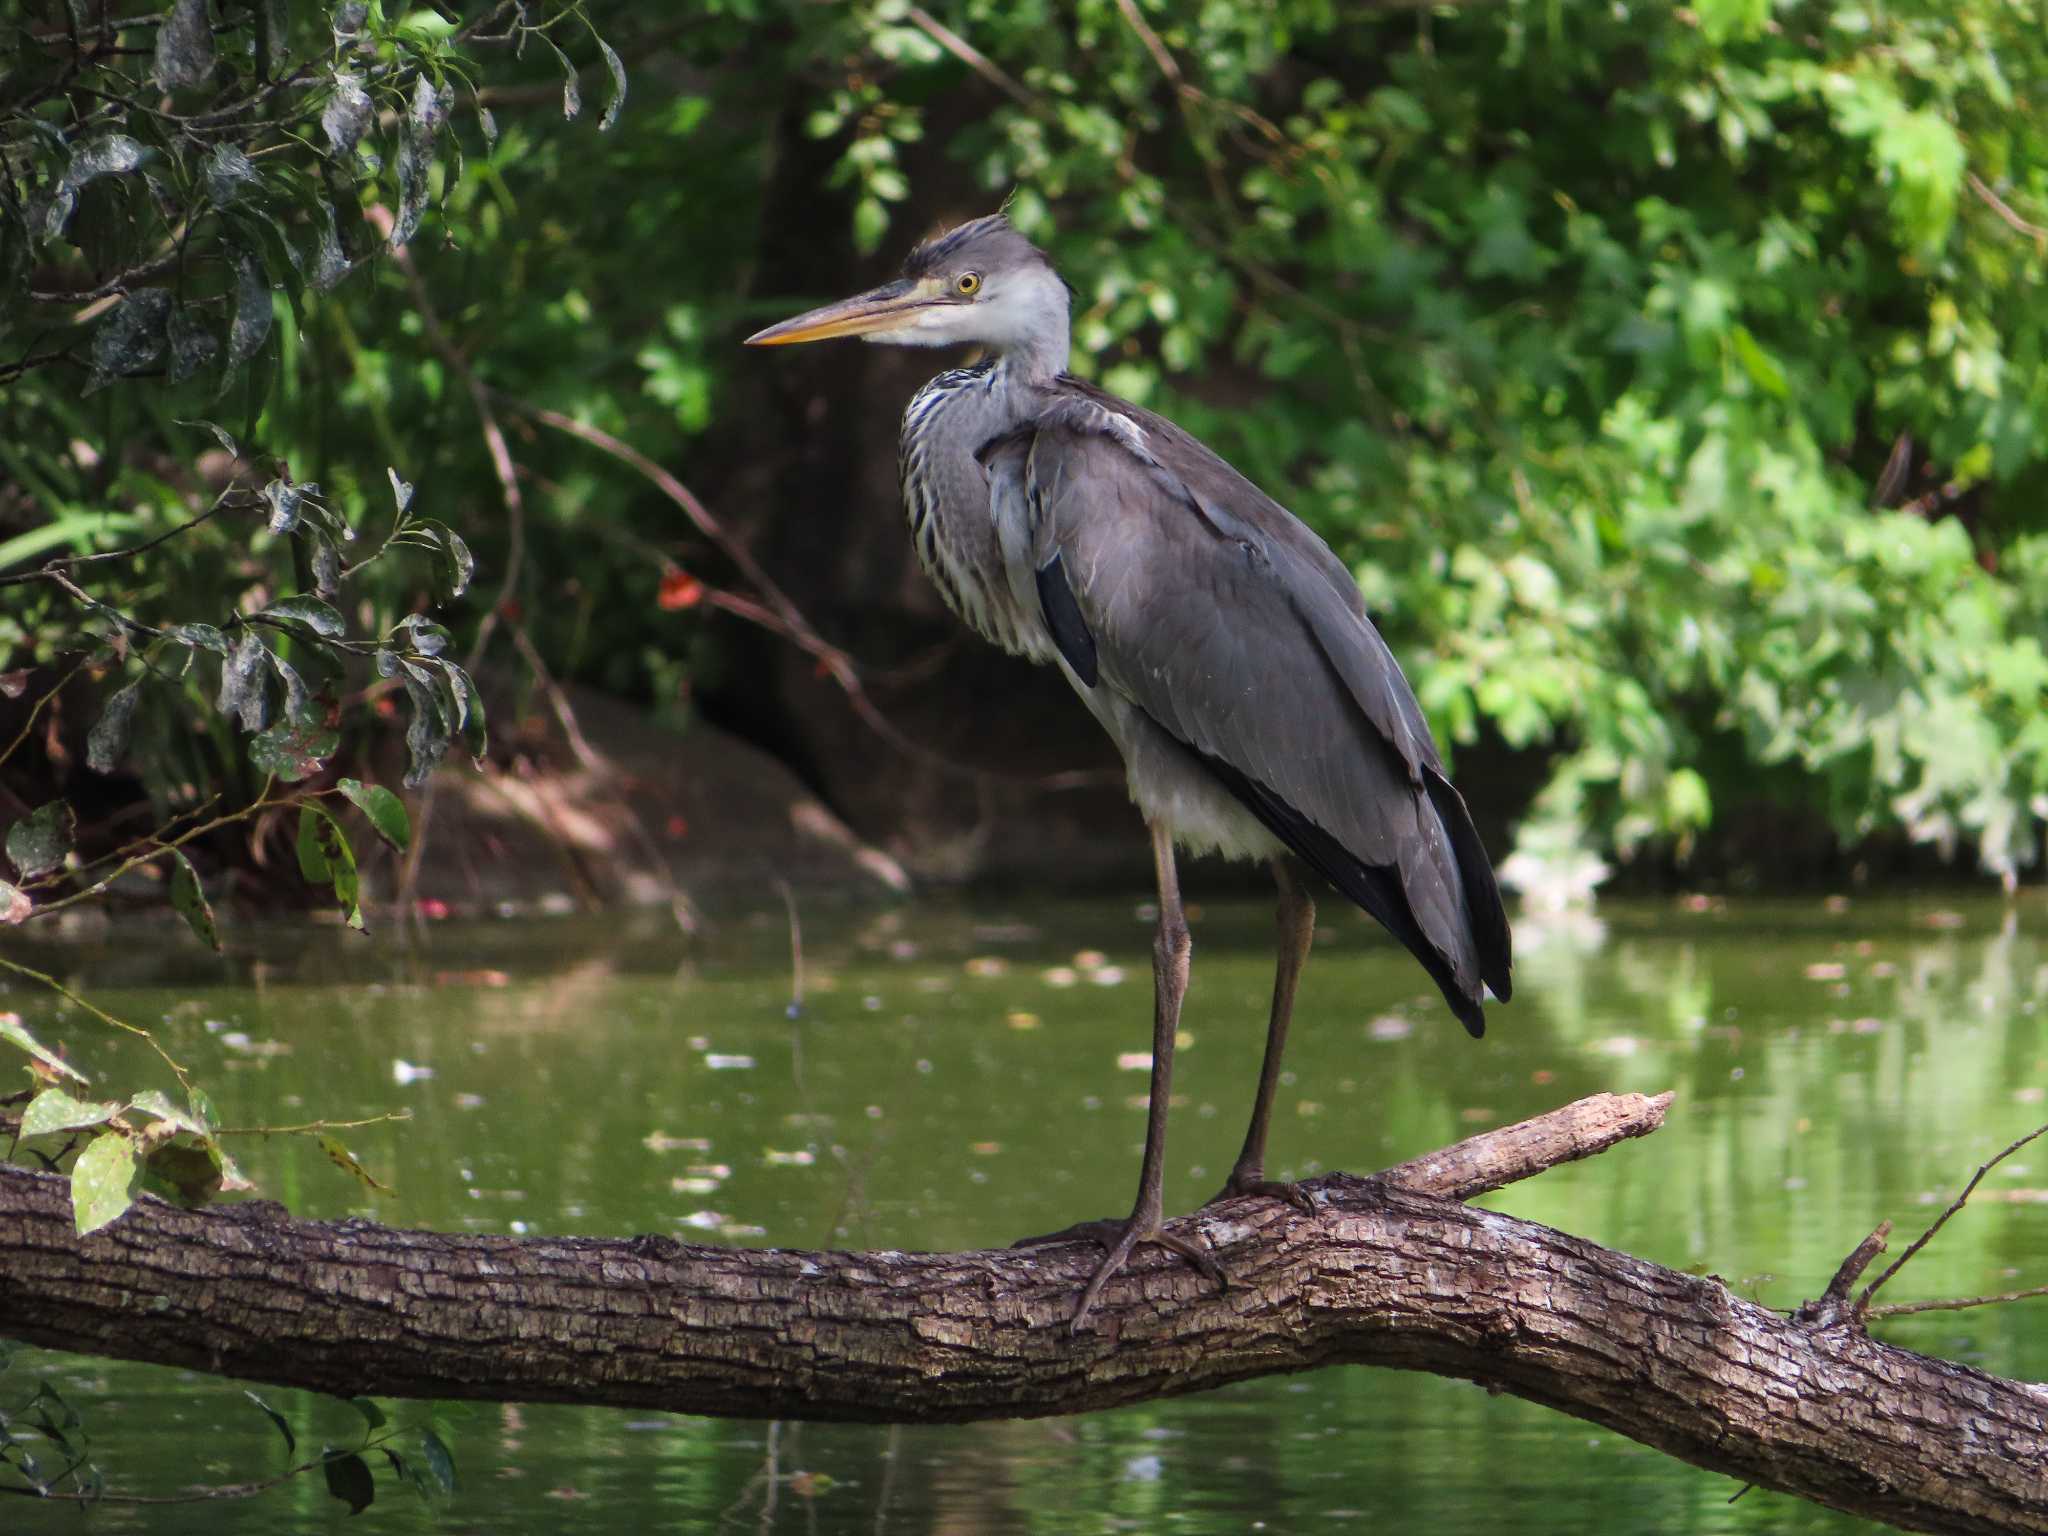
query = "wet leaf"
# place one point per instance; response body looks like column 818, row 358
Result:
column 241, row 682
column 108, row 738
column 221, row 434
column 299, row 705
column 11, row 1030
column 428, row 109
column 428, row 638
column 617, row 66
column 428, row 735
column 199, row 637
column 347, row 22
column 193, row 344
column 330, row 260
column 285, row 499
column 184, row 46
column 345, row 1160
column 228, row 171
column 385, row 811
column 131, row 337
column 572, row 92
column 457, row 563
column 346, row 115
column 253, row 317
column 401, row 492
column 38, row 842
column 326, row 564
column 293, row 749
column 188, row 898
column 348, row 1479
column 112, row 154
column 100, row 1180
column 55, row 1110
column 291, row 1441
column 317, row 616
column 423, row 119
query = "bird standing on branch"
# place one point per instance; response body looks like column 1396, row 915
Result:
column 1221, row 644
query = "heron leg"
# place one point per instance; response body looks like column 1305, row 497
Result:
column 1297, row 923
column 1172, row 949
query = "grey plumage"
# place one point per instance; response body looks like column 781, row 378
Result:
column 1220, row 643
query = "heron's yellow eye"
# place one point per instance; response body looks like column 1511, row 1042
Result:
column 968, row 283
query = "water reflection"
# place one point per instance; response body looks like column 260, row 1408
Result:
column 958, row 1076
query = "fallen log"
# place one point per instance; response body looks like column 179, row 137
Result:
column 1391, row 1270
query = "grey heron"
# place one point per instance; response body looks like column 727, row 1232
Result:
column 1217, row 639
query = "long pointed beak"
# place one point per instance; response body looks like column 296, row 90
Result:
column 886, row 308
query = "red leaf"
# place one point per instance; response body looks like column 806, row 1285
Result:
column 679, row 589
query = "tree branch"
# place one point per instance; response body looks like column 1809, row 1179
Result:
column 1385, row 1273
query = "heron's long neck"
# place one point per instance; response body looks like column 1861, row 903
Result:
column 946, row 496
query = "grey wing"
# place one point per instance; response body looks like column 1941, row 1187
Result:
column 1229, row 633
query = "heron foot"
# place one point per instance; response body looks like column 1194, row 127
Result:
column 1254, row 1183
column 1119, row 1236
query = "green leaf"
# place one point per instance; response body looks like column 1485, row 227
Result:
column 386, row 812
column 100, row 1180
column 199, row 636
column 183, row 1173
column 310, row 611
column 1762, row 368
column 439, row 1460
column 373, row 1416
column 349, row 1480
column 291, row 1441
column 345, row 1160
column 188, row 899
column 39, row 841
column 293, row 750
column 313, row 863
column 572, row 93
column 154, row 1101
column 11, row 1030
column 55, row 1110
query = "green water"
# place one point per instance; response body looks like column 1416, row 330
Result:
column 954, row 1081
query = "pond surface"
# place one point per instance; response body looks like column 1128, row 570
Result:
column 962, row 1074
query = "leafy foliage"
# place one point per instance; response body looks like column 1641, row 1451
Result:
column 1671, row 379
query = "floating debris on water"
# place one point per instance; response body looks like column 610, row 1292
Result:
column 987, row 966
column 1826, row 970
column 1134, row 1061
column 722, row 1063
column 1389, row 1026
column 803, row 1157
column 1061, row 976
column 1021, row 1020
column 403, row 1072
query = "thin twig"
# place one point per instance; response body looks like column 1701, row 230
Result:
column 972, row 57
column 101, row 1014
column 1955, row 1304
column 36, row 708
column 1999, row 206
column 41, row 573
column 1863, row 1301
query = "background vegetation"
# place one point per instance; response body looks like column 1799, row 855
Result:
column 1673, row 379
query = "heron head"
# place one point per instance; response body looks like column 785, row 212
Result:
column 982, row 284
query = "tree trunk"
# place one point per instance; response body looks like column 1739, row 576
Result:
column 1390, row 1271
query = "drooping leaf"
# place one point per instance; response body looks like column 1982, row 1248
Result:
column 193, row 344
column 293, row 749
column 439, row 1461
column 373, row 1416
column 285, row 500
column 154, row 1101
column 253, row 316
column 241, row 682
column 428, row 638
column 55, row 1110
column 38, row 842
column 572, row 91
column 347, row 113
column 617, row 104
column 325, row 858
column 111, row 154
column 220, row 433
column 423, row 120
column 347, row 22
column 100, row 1180
column 108, row 738
column 131, row 337
column 228, row 171
column 330, row 259
column 12, row 1030
column 457, row 563
column 326, row 563
column 300, row 708
column 317, row 616
column 385, row 811
column 345, row 1160
column 349, row 1480
column 428, row 734
column 184, row 46
column 313, row 866
column 291, row 1441
column 188, row 900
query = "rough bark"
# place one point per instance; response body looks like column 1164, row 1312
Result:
column 1390, row 1271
